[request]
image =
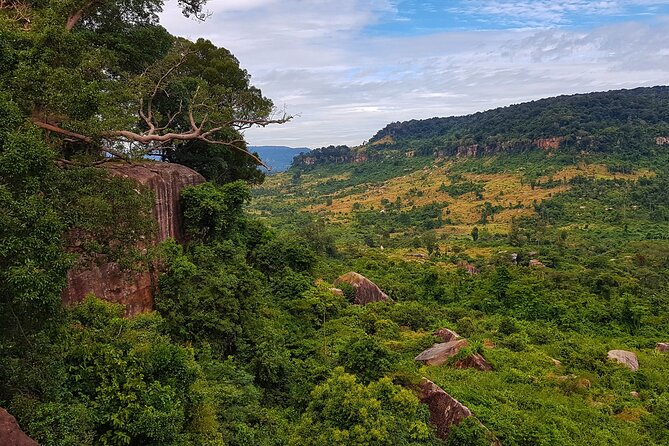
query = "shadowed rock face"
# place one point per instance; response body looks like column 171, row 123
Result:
column 366, row 291
column 474, row 361
column 628, row 359
column 166, row 180
column 10, row 432
column 445, row 411
column 438, row 354
column 106, row 280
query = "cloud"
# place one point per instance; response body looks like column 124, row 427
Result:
column 316, row 59
column 548, row 13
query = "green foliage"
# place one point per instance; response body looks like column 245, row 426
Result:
column 469, row 432
column 367, row 358
column 343, row 412
column 214, row 212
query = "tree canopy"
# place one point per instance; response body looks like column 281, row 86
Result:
column 104, row 78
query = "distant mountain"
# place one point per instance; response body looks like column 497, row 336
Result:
column 278, row 158
column 632, row 123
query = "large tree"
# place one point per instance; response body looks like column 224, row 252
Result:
column 102, row 76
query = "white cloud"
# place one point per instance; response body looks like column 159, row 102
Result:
column 314, row 58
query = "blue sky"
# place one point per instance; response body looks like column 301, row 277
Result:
column 411, row 17
column 346, row 68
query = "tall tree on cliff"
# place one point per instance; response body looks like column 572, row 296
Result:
column 102, row 77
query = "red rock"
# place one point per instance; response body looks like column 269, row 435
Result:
column 166, row 180
column 11, row 433
column 366, row 291
column 445, row 411
column 109, row 282
column 106, row 280
column 628, row 359
column 438, row 354
column 534, row 263
column 446, row 335
column 548, row 143
column 662, row 347
column 474, row 361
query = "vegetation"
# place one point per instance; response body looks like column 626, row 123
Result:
column 544, row 260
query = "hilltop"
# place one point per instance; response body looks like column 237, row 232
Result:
column 628, row 123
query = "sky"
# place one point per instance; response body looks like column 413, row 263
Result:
column 346, row 68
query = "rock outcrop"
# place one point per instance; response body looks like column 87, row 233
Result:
column 366, row 291
column 166, row 180
column 445, row 411
column 438, row 354
column 662, row 347
column 446, row 335
column 474, row 361
column 624, row 357
column 107, row 280
column 534, row 263
column 11, row 433
column 548, row 143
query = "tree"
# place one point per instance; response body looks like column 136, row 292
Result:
column 475, row 233
column 344, row 412
column 101, row 76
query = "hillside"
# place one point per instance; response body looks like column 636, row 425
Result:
column 504, row 283
column 546, row 244
column 627, row 123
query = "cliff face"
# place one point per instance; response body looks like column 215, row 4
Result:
column 166, row 181
column 106, row 280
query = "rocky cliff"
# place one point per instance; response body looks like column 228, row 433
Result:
column 107, row 280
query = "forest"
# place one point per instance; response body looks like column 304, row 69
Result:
column 543, row 260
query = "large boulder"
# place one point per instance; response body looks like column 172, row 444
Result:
column 106, row 279
column 438, row 354
column 474, row 361
column 445, row 411
column 10, row 432
column 366, row 291
column 662, row 347
column 628, row 359
column 446, row 335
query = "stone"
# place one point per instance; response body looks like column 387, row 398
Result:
column 445, row 411
column 438, row 354
column 555, row 362
column 534, row 263
column 624, row 357
column 106, row 280
column 11, row 433
column 446, row 335
column 548, row 143
column 166, row 180
column 662, row 347
column 109, row 282
column 474, row 361
column 336, row 291
column 634, row 394
column 366, row 291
